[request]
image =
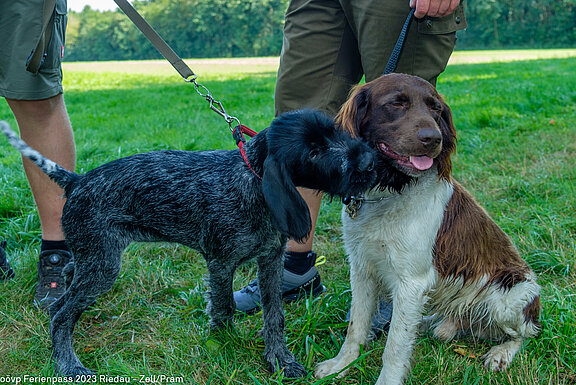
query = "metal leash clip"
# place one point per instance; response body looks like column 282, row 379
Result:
column 353, row 204
column 215, row 105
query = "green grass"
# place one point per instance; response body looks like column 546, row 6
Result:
column 516, row 124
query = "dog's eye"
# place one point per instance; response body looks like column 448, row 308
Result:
column 398, row 104
column 435, row 106
column 314, row 152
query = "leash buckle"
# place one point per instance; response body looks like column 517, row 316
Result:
column 191, row 79
column 353, row 204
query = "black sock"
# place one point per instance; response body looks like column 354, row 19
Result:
column 53, row 245
column 299, row 263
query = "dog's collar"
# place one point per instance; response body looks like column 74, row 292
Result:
column 354, row 202
column 238, row 134
column 243, row 153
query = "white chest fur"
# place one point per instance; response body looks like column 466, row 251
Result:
column 393, row 233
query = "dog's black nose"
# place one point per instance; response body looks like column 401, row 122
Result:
column 430, row 137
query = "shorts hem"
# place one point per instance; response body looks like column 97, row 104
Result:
column 20, row 95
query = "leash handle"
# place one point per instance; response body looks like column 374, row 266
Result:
column 393, row 60
column 156, row 40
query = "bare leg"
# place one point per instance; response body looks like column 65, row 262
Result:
column 313, row 199
column 44, row 124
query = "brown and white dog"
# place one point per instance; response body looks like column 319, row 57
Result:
column 419, row 238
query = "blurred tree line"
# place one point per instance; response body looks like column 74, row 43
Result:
column 519, row 24
column 193, row 28
column 236, row 28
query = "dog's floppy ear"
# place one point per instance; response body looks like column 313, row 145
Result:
column 354, row 110
column 448, row 142
column 288, row 211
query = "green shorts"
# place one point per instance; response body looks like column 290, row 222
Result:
column 329, row 45
column 20, row 28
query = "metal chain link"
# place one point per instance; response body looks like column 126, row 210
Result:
column 215, row 105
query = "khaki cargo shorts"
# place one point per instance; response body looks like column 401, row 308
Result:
column 20, row 29
column 329, row 45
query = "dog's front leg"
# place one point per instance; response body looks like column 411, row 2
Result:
column 409, row 298
column 364, row 301
column 221, row 304
column 276, row 353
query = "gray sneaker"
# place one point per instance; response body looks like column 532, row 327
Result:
column 294, row 287
column 51, row 282
column 6, row 271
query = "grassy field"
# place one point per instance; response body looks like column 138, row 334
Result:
column 515, row 112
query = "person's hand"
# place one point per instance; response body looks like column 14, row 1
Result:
column 433, row 8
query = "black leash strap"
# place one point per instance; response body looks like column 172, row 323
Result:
column 156, row 40
column 393, row 60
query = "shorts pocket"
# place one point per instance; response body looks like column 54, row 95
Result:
column 55, row 49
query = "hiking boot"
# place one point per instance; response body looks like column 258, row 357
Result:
column 294, row 287
column 380, row 320
column 51, row 282
column 6, row 271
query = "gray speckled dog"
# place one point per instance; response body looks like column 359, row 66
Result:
column 210, row 201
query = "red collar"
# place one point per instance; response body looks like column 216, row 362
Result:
column 238, row 134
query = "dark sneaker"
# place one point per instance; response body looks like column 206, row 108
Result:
column 51, row 282
column 294, row 287
column 380, row 320
column 6, row 271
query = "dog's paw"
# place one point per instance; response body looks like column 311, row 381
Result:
column 77, row 372
column 294, row 370
column 285, row 362
column 329, row 367
column 71, row 368
column 289, row 369
column 498, row 358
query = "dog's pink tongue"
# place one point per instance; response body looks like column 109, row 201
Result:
column 421, row 162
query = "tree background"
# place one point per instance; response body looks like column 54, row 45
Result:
column 246, row 28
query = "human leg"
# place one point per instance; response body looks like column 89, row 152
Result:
column 45, row 125
column 318, row 66
column 38, row 106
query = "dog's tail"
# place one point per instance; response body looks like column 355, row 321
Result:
column 56, row 172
